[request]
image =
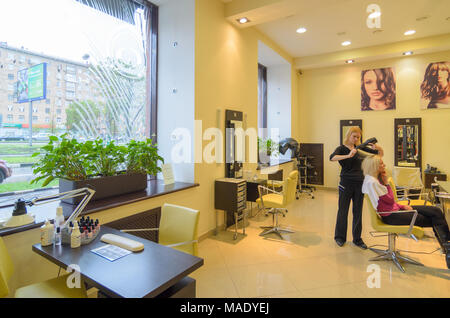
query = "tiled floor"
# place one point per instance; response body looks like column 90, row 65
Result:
column 308, row 263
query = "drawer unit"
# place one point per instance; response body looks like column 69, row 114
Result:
column 230, row 195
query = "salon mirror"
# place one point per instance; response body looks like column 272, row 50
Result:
column 408, row 142
column 235, row 151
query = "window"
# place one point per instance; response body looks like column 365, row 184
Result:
column 262, row 97
column 47, row 110
column 70, row 86
column 35, row 110
column 10, row 117
column 10, row 108
column 21, row 117
column 108, row 47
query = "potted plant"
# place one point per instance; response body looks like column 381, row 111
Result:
column 106, row 167
column 266, row 148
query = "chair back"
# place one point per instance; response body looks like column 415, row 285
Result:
column 393, row 187
column 407, row 177
column 6, row 269
column 375, row 219
column 291, row 187
column 179, row 224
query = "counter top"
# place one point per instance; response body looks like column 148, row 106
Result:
column 154, row 189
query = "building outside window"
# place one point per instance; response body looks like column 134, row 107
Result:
column 125, row 103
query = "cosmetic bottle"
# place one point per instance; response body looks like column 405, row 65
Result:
column 75, row 237
column 59, row 219
column 89, row 233
column 82, row 234
column 58, row 236
column 47, row 233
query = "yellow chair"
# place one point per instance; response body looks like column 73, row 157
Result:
column 178, row 228
column 411, row 231
column 408, row 180
column 277, row 202
column 53, row 288
column 407, row 202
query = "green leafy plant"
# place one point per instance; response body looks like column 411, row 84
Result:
column 72, row 160
column 268, row 146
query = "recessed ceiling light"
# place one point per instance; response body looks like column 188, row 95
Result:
column 243, row 20
column 301, row 30
column 408, row 53
column 346, row 43
column 410, row 32
column 374, row 15
column 350, row 61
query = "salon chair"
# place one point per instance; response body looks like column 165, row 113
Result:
column 53, row 288
column 408, row 201
column 178, row 228
column 277, row 203
column 393, row 231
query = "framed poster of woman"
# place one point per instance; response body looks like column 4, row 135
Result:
column 378, row 90
column 435, row 87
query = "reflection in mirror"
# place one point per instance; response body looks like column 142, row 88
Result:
column 345, row 126
column 235, row 151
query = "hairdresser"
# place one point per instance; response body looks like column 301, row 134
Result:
column 350, row 155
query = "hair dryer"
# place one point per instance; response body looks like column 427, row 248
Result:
column 372, row 140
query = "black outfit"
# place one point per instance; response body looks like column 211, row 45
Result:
column 350, row 186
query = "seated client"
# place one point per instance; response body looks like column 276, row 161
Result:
column 376, row 186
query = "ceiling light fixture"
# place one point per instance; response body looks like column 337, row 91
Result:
column 350, row 61
column 410, row 32
column 243, row 20
column 408, row 53
column 346, row 43
column 301, row 30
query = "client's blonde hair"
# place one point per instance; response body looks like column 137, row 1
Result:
column 370, row 165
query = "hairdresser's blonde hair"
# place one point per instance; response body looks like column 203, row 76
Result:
column 350, row 131
column 370, row 165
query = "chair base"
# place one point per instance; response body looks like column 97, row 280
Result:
column 394, row 256
column 276, row 229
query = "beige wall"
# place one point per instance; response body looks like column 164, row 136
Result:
column 328, row 95
column 226, row 77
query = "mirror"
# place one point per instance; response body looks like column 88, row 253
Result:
column 234, row 157
column 345, row 126
column 408, row 142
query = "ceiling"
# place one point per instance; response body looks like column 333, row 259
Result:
column 330, row 22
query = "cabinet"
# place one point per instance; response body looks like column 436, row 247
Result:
column 429, row 178
column 230, row 195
